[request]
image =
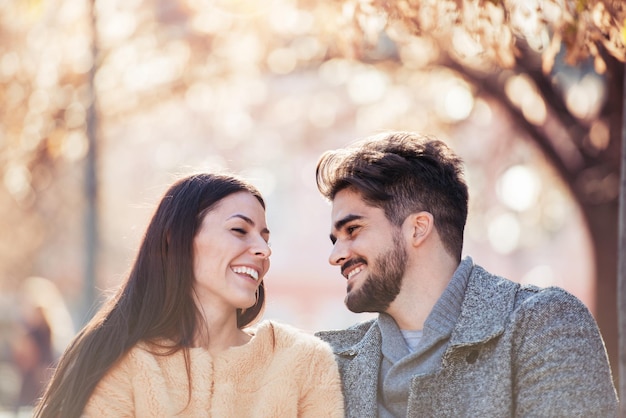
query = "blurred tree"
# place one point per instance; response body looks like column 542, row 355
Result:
column 45, row 58
column 557, row 67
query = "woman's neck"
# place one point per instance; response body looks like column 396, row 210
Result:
column 218, row 331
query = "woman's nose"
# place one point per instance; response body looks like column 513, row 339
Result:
column 262, row 248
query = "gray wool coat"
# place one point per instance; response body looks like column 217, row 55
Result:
column 516, row 351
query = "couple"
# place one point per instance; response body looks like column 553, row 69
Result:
column 451, row 339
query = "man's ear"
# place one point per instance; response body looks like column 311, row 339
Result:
column 421, row 225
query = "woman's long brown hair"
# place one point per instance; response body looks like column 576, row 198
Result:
column 155, row 302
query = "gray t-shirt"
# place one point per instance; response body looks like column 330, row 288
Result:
column 412, row 338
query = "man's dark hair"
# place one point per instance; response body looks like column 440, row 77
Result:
column 402, row 173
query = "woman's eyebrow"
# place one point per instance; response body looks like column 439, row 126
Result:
column 248, row 221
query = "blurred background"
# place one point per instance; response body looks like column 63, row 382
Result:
column 103, row 104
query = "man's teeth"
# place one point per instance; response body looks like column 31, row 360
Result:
column 355, row 271
column 247, row 270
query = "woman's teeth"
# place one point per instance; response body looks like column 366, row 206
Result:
column 247, row 270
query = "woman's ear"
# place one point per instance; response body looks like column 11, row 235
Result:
column 421, row 225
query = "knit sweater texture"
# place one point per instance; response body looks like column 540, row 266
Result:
column 399, row 365
column 515, row 351
column 280, row 372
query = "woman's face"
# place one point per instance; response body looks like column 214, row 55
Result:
column 231, row 253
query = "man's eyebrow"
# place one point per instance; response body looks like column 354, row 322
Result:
column 249, row 221
column 342, row 222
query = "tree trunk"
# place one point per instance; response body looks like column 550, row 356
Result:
column 604, row 240
column 621, row 283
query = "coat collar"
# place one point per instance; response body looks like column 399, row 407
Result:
column 488, row 301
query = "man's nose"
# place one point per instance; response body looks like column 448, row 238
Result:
column 339, row 253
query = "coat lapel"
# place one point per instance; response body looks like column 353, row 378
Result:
column 359, row 365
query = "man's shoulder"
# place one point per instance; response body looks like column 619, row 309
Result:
column 552, row 303
column 484, row 282
column 526, row 300
column 344, row 338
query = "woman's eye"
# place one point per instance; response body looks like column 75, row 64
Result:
column 239, row 230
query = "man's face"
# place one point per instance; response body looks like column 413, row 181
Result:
column 369, row 250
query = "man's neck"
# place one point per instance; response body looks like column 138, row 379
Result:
column 421, row 289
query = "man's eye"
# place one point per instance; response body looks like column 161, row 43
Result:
column 351, row 229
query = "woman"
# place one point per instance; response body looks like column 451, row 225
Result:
column 174, row 342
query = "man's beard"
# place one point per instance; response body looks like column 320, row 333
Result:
column 383, row 283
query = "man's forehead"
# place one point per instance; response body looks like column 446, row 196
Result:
column 350, row 205
column 347, row 201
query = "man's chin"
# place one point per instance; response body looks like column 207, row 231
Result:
column 357, row 306
column 357, row 303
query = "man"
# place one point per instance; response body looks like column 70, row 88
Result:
column 451, row 339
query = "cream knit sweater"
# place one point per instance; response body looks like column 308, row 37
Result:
column 281, row 372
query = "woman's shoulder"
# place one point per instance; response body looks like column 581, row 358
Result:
column 288, row 336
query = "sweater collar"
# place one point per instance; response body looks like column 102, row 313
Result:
column 440, row 322
column 444, row 315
